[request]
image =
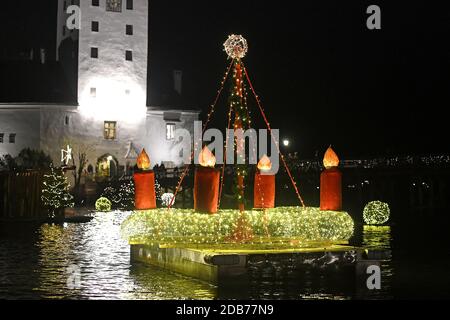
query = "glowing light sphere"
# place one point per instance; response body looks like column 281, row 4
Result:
column 236, row 46
column 376, row 213
column 103, row 204
column 166, row 199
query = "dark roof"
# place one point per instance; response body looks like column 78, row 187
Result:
column 31, row 81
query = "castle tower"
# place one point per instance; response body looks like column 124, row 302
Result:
column 113, row 51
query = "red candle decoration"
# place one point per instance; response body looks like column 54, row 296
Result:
column 144, row 184
column 264, row 188
column 331, row 183
column 206, row 183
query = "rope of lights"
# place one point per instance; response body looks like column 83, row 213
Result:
column 294, row 184
column 186, row 170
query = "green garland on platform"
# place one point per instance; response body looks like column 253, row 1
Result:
column 290, row 225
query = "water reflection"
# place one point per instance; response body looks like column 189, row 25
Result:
column 377, row 237
column 36, row 261
column 35, row 264
column 378, row 240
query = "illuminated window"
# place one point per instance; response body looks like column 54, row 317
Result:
column 2, row 135
column 129, row 55
column 170, row 131
column 12, row 138
column 95, row 26
column 114, row 5
column 109, row 131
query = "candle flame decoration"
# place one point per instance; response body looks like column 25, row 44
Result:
column 206, row 158
column 143, row 161
column 265, row 164
column 330, row 159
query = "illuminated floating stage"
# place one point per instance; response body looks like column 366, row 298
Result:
column 209, row 246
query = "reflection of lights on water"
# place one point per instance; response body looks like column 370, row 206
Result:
column 377, row 237
column 97, row 250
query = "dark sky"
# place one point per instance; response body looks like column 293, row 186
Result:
column 323, row 77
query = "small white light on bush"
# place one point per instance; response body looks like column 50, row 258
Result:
column 376, row 212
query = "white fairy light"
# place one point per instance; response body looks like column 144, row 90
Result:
column 236, row 46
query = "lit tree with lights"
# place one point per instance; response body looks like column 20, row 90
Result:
column 236, row 47
column 55, row 192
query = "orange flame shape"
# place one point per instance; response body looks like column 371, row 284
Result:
column 143, row 161
column 206, row 158
column 330, row 159
column 264, row 164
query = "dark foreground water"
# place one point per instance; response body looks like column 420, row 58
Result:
column 43, row 261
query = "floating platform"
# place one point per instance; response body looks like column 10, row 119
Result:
column 226, row 266
column 225, row 247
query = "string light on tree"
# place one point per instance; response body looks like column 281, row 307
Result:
column 55, row 192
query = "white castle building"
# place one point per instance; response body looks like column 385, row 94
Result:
column 111, row 121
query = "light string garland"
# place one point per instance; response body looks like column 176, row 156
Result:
column 236, row 47
column 211, row 112
column 222, row 174
column 282, row 226
column 294, row 184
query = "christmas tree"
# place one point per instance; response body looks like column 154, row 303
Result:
column 55, row 192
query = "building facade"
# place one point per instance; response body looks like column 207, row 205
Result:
column 111, row 121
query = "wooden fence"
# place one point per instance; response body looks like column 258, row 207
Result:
column 20, row 194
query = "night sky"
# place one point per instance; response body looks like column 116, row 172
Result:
column 323, row 77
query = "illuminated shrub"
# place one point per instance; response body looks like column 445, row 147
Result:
column 103, row 204
column 376, row 212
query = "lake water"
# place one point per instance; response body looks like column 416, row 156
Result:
column 36, row 261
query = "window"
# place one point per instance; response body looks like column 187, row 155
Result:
column 66, row 120
column 114, row 5
column 93, row 92
column 129, row 4
column 94, row 26
column 64, row 31
column 94, row 53
column 127, row 92
column 170, row 131
column 65, row 6
column 12, row 138
column 95, row 3
column 2, row 135
column 109, row 131
column 129, row 30
column 129, row 55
